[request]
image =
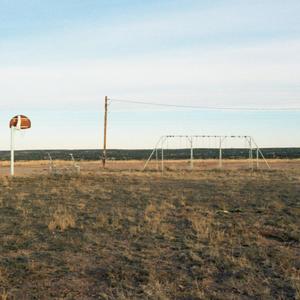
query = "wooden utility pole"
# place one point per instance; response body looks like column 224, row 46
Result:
column 104, row 155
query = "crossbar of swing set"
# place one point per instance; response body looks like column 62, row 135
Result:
column 207, row 136
column 248, row 138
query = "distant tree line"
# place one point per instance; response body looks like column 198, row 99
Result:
column 86, row 155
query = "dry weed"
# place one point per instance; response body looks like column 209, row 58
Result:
column 295, row 278
column 155, row 217
column 2, row 275
column 61, row 220
column 6, row 182
column 155, row 289
column 4, row 295
column 201, row 225
column 112, row 221
column 206, row 227
column 101, row 220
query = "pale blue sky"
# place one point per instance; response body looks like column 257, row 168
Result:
column 59, row 58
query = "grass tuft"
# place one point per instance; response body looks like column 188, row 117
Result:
column 61, row 220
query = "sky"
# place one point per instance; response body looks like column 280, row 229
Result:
column 59, row 58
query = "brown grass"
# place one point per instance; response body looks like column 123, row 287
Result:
column 34, row 168
column 61, row 220
column 131, row 235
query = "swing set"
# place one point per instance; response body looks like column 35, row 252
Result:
column 162, row 147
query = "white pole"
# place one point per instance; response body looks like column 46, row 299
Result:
column 257, row 158
column 261, row 154
column 220, row 153
column 152, row 153
column 162, row 154
column 251, row 153
column 192, row 154
column 50, row 163
column 12, row 149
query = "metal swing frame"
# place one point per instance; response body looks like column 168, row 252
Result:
column 160, row 146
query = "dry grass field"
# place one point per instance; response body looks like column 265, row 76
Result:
column 117, row 234
column 33, row 168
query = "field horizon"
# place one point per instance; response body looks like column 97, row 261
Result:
column 142, row 154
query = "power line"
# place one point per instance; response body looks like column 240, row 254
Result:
column 207, row 107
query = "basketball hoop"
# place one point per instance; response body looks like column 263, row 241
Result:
column 19, row 123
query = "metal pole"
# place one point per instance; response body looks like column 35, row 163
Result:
column 251, row 153
column 104, row 155
column 220, row 153
column 12, row 151
column 192, row 154
column 162, row 155
column 257, row 158
column 50, row 163
column 152, row 153
column 156, row 156
column 261, row 154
